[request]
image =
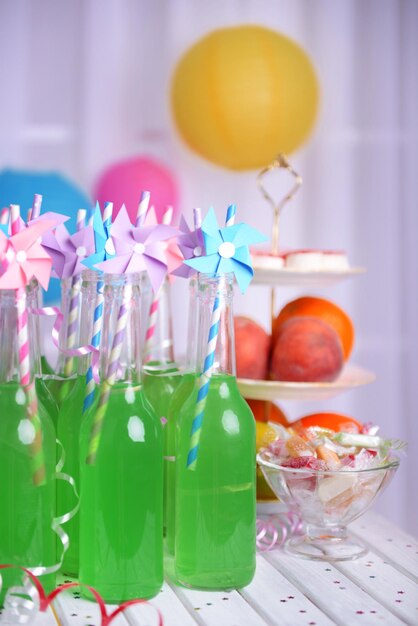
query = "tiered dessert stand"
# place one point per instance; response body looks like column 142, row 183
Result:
column 352, row 376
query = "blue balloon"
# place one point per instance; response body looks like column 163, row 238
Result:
column 59, row 195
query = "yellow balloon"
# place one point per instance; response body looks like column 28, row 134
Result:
column 241, row 95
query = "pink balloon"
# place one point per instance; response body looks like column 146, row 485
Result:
column 123, row 182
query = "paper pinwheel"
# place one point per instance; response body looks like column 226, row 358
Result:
column 172, row 253
column 138, row 249
column 50, row 216
column 104, row 247
column 191, row 245
column 68, row 251
column 227, row 250
column 22, row 257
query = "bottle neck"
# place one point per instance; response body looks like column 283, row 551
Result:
column 191, row 354
column 69, row 334
column 11, row 368
column 158, row 344
column 215, row 295
column 120, row 341
column 34, row 301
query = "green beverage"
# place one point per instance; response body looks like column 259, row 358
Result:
column 27, row 510
column 68, row 433
column 59, row 387
column 159, row 387
column 121, row 461
column 215, row 507
column 46, row 369
column 46, row 400
column 215, row 516
column 121, row 550
column 180, row 395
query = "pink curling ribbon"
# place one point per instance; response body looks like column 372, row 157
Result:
column 49, row 311
column 273, row 531
column 24, row 609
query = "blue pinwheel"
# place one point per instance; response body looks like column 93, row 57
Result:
column 227, row 250
column 104, row 247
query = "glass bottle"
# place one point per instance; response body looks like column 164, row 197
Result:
column 61, row 382
column 216, row 499
column 71, row 416
column 179, row 397
column 121, row 507
column 44, row 394
column 161, row 372
column 27, row 460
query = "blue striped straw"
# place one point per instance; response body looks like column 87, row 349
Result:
column 204, row 378
column 230, row 215
column 97, row 320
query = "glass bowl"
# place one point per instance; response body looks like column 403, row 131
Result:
column 326, row 502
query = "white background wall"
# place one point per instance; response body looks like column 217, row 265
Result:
column 85, row 82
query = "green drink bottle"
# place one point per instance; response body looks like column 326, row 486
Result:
column 179, row 397
column 27, row 498
column 121, row 464
column 160, row 371
column 215, row 499
column 62, row 381
column 70, row 419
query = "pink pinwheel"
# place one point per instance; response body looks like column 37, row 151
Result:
column 138, row 249
column 191, row 244
column 172, row 252
column 22, row 257
column 68, row 251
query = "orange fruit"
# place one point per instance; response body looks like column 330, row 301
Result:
column 323, row 309
column 265, row 411
column 333, row 421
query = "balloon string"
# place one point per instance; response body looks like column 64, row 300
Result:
column 274, row 531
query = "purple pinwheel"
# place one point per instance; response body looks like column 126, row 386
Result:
column 138, row 249
column 227, row 250
column 191, row 244
column 69, row 251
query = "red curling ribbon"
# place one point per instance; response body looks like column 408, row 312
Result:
column 49, row 311
column 42, row 601
column 273, row 531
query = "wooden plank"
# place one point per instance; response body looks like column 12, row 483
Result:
column 385, row 583
column 72, row 610
column 390, row 542
column 219, row 608
column 332, row 592
column 171, row 607
column 279, row 601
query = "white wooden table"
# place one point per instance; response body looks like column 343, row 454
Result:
column 380, row 588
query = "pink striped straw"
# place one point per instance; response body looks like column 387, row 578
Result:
column 37, row 456
column 73, row 311
column 153, row 311
column 36, row 206
column 4, row 216
column 111, row 375
column 142, row 208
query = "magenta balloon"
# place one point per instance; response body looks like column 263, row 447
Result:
column 122, row 183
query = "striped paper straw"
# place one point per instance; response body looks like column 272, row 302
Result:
column 142, row 208
column 112, row 370
column 95, row 340
column 204, row 378
column 107, row 214
column 4, row 216
column 153, row 311
column 36, row 206
column 197, row 218
column 37, row 455
column 73, row 311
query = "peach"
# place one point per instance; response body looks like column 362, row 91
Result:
column 252, row 347
column 307, row 350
